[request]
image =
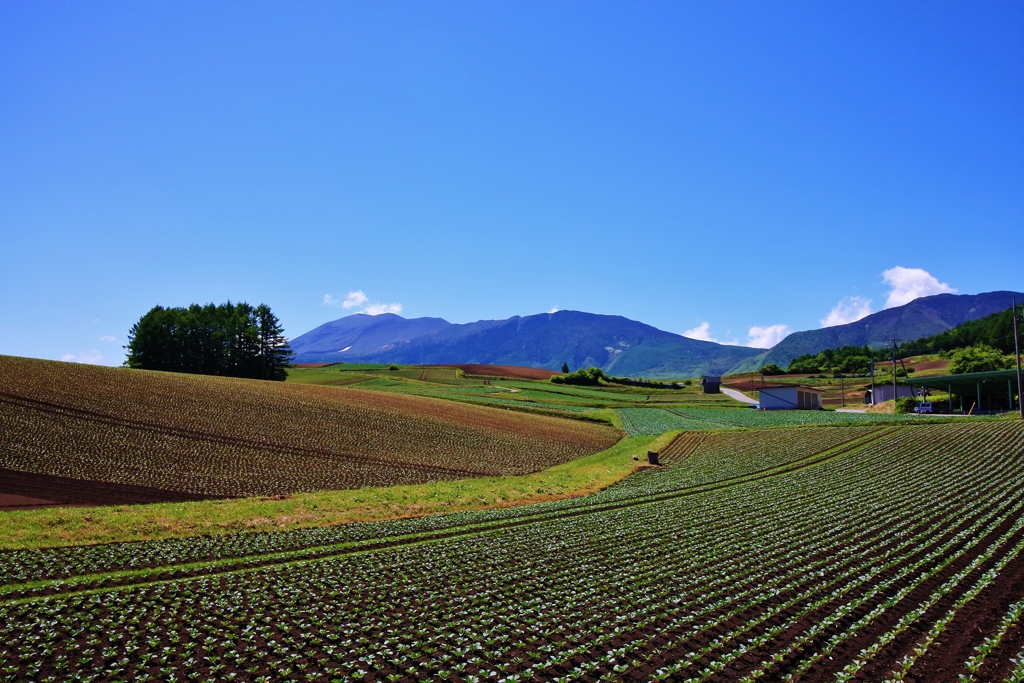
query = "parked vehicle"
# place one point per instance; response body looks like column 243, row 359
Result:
column 923, row 407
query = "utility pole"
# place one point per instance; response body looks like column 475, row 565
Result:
column 842, row 387
column 871, row 371
column 894, row 394
column 1016, row 345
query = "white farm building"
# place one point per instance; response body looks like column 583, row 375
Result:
column 790, row 398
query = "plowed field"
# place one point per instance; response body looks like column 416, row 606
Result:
column 511, row 371
column 231, row 437
column 28, row 491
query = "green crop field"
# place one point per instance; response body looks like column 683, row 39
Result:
column 639, row 421
column 814, row 553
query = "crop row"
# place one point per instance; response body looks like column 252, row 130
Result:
column 990, row 643
column 671, row 587
column 719, row 455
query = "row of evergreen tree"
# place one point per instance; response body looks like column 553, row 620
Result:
column 233, row 340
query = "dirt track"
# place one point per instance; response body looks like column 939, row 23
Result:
column 28, row 491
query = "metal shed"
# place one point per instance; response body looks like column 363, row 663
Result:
column 987, row 391
column 790, row 397
column 884, row 392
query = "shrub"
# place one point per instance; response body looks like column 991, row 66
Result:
column 589, row 376
column 980, row 358
column 905, row 404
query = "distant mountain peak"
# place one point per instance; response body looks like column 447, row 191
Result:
column 544, row 340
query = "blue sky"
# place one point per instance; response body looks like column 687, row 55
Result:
column 716, row 168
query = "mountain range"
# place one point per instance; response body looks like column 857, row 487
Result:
column 617, row 345
column 921, row 317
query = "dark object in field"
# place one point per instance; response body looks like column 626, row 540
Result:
column 711, row 384
column 652, row 457
column 29, row 491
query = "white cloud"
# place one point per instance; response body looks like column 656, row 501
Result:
column 848, row 310
column 911, row 283
column 351, row 300
column 554, row 310
column 356, row 298
column 703, row 333
column 767, row 337
column 108, row 338
column 377, row 309
column 92, row 357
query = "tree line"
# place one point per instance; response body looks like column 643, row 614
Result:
column 231, row 340
column 973, row 346
column 995, row 331
column 595, row 377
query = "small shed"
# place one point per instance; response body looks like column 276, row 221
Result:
column 884, row 392
column 711, row 384
column 790, row 397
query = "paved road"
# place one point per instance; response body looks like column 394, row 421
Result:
column 732, row 393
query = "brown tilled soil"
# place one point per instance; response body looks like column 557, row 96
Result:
column 950, row 648
column 938, row 364
column 512, row 371
column 945, row 659
column 29, row 491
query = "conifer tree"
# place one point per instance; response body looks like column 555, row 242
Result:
column 233, row 340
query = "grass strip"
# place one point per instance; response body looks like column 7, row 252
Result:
column 58, row 527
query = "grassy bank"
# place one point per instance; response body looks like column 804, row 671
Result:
column 80, row 526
